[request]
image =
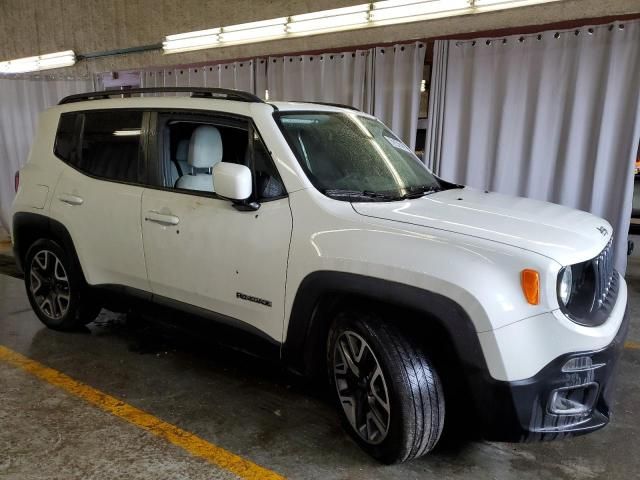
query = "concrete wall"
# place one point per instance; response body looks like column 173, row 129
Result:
column 29, row 27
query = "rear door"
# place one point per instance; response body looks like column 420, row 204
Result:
column 99, row 192
column 201, row 251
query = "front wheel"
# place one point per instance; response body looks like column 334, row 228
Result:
column 55, row 287
column 390, row 397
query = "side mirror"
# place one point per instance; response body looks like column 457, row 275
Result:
column 232, row 181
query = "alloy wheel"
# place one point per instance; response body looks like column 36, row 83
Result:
column 49, row 284
column 362, row 388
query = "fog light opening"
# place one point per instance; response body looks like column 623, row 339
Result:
column 580, row 364
column 574, row 400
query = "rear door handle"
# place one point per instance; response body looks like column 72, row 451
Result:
column 70, row 199
column 161, row 218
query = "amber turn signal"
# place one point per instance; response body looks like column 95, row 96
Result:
column 530, row 280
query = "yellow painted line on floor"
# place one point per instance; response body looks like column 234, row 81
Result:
column 188, row 441
column 632, row 345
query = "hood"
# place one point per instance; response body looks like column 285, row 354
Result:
column 560, row 233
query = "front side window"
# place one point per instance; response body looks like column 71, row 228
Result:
column 356, row 158
column 104, row 144
column 191, row 145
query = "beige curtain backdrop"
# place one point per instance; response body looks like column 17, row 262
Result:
column 383, row 81
column 20, row 103
column 343, row 78
column 554, row 116
column 236, row 75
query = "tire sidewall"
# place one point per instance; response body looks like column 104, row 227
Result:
column 70, row 319
column 393, row 447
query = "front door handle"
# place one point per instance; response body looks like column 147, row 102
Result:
column 70, row 199
column 161, row 218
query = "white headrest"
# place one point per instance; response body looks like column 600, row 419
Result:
column 182, row 151
column 205, row 147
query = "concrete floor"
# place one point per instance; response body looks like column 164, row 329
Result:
column 244, row 405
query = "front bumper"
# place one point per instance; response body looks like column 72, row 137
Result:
column 526, row 410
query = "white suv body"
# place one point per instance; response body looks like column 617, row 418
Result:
column 284, row 267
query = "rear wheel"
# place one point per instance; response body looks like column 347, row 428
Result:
column 55, row 287
column 390, row 397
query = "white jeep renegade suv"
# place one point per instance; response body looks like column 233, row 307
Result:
column 313, row 229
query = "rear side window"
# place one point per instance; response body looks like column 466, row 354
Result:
column 103, row 144
column 66, row 139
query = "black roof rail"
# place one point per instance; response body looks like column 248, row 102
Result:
column 339, row 105
column 198, row 92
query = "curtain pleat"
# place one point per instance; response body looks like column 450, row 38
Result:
column 396, row 88
column 435, row 114
column 554, row 116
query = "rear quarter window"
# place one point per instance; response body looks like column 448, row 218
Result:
column 103, row 144
column 66, row 137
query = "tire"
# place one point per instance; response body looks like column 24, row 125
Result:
column 390, row 371
column 56, row 288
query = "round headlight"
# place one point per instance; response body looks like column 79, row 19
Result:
column 566, row 284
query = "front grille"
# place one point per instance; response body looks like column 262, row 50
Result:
column 595, row 289
column 603, row 266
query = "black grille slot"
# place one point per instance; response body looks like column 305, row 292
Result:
column 603, row 266
column 595, row 289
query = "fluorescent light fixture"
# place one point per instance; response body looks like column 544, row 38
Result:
column 341, row 21
column 247, row 32
column 188, row 35
column 330, row 13
column 56, row 60
column 480, row 6
column 20, row 65
column 482, row 3
column 184, row 42
column 329, row 19
column 130, row 132
column 384, row 12
column 40, row 62
column 251, row 34
column 392, row 9
column 252, row 25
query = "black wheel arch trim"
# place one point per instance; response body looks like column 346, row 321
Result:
column 305, row 322
column 28, row 227
column 467, row 370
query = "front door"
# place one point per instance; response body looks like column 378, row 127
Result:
column 202, row 251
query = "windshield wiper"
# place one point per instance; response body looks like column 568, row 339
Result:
column 362, row 194
column 413, row 192
column 420, row 191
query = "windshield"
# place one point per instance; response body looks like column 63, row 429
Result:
column 355, row 157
